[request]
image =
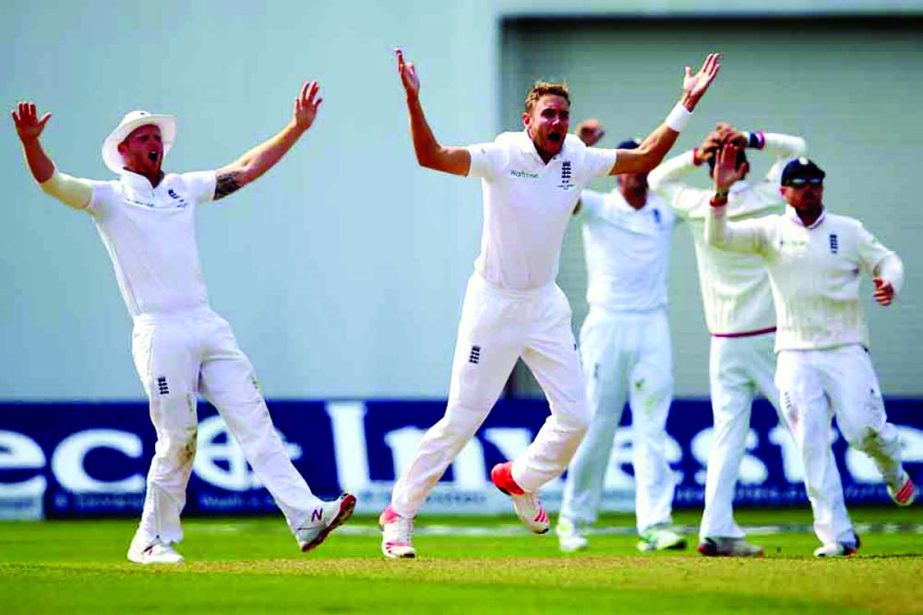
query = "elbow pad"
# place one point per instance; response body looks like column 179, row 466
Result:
column 71, row 191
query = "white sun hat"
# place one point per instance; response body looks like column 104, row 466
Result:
column 132, row 121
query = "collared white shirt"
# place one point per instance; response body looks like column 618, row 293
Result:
column 627, row 251
column 150, row 236
column 814, row 271
column 527, row 205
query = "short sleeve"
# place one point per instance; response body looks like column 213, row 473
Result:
column 104, row 193
column 200, row 185
column 486, row 160
column 599, row 162
column 591, row 203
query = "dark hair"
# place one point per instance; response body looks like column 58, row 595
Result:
column 741, row 159
column 542, row 88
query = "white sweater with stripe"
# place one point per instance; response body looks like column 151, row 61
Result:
column 735, row 288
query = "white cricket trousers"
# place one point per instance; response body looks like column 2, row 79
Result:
column 498, row 327
column 178, row 356
column 816, row 385
column 739, row 368
column 625, row 355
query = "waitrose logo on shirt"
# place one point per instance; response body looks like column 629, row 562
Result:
column 524, row 174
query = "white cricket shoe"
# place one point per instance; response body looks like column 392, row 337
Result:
column 396, row 535
column 324, row 519
column 904, row 492
column 661, row 539
column 728, row 547
column 571, row 535
column 528, row 507
column 839, row 549
column 155, row 553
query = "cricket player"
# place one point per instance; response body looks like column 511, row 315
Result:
column 626, row 351
column 815, row 260
column 531, row 182
column 739, row 313
column 146, row 220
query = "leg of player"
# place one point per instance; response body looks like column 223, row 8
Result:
column 808, row 411
column 168, row 368
column 855, row 394
column 732, row 395
column 486, row 350
column 831, row 521
column 650, row 386
column 552, row 356
column 229, row 382
column 605, row 387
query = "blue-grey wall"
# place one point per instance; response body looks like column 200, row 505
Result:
column 342, row 271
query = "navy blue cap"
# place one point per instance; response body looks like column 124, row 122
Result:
column 800, row 171
column 628, row 144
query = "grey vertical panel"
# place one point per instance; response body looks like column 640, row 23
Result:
column 850, row 86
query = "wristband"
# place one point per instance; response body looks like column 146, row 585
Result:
column 720, row 199
column 678, row 117
column 756, row 140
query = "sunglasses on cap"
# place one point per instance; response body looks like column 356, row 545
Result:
column 799, row 182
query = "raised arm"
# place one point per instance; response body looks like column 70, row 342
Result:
column 782, row 147
column 69, row 190
column 667, row 180
column 749, row 236
column 658, row 143
column 454, row 160
column 264, row 156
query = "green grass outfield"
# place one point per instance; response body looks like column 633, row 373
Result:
column 467, row 565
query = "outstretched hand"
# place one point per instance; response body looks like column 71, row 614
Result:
column 695, row 84
column 28, row 126
column 726, row 170
column 590, row 131
column 306, row 105
column 884, row 292
column 408, row 73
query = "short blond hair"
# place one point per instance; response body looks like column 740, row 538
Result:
column 544, row 88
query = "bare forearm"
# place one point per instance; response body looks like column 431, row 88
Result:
column 256, row 161
column 40, row 164
column 430, row 154
column 425, row 145
column 649, row 154
column 264, row 156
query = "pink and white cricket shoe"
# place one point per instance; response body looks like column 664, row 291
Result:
column 396, row 535
column 528, row 507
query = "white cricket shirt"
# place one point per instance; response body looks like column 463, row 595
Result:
column 527, row 205
column 736, row 294
column 814, row 271
column 150, row 236
column 627, row 251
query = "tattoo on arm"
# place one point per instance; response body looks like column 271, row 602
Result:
column 226, row 184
